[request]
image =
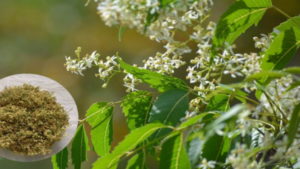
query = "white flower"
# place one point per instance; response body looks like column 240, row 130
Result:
column 207, row 165
column 233, row 71
column 188, row 115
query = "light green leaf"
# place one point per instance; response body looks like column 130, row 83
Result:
column 136, row 107
column 293, row 125
column 266, row 74
column 191, row 121
column 218, row 103
column 79, row 147
column 292, row 86
column 173, row 154
column 156, row 80
column 288, row 24
column 134, row 138
column 232, row 112
column 281, row 50
column 121, row 31
column 60, row 160
column 100, row 117
column 138, row 161
column 234, row 92
column 194, row 150
column 293, row 70
column 238, row 18
column 169, row 108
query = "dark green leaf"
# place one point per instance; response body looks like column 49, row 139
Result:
column 60, row 160
column 238, row 18
column 293, row 125
column 173, row 154
column 138, row 161
column 79, row 147
column 169, row 108
column 136, row 137
column 121, row 31
column 216, row 147
column 156, row 80
column 136, row 107
column 100, row 118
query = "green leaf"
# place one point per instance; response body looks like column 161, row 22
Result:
column 218, row 103
column 292, row 86
column 232, row 112
column 100, row 117
column 136, row 107
column 288, row 24
column 169, row 108
column 234, row 92
column 216, row 147
column 156, row 80
column 293, row 125
column 138, row 161
column 281, row 50
column 238, row 18
column 293, row 70
column 173, row 154
column 194, row 151
column 60, row 160
column 191, row 121
column 121, row 31
column 79, row 147
column 265, row 75
column 134, row 138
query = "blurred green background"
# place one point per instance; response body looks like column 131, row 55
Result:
column 35, row 35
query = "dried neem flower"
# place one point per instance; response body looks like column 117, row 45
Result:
column 38, row 117
column 31, row 120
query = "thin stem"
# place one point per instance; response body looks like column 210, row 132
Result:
column 285, row 14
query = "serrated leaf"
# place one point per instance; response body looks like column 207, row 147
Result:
column 138, row 161
column 79, row 147
column 293, row 125
column 121, row 31
column 136, row 107
column 293, row 70
column 173, row 154
column 60, row 160
column 156, row 80
column 266, row 74
column 134, row 138
column 238, row 18
column 281, row 50
column 256, row 136
column 288, row 24
column 101, row 119
column 169, row 108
